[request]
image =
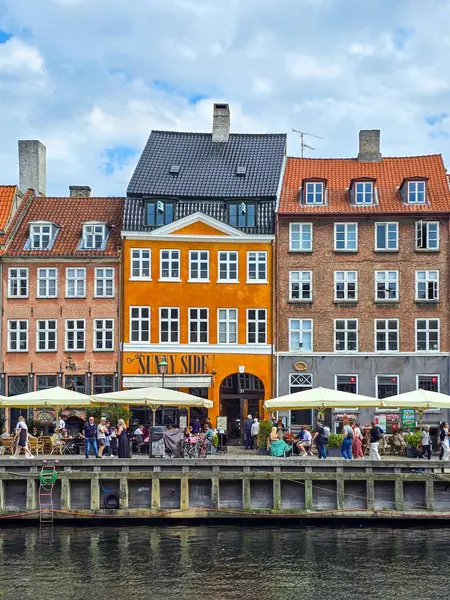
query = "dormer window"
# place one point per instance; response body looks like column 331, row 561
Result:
column 242, row 214
column 416, row 192
column 158, row 213
column 313, row 192
column 363, row 193
column 42, row 236
column 94, row 236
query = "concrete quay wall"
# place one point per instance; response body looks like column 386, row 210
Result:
column 227, row 488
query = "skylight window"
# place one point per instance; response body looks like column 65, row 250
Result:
column 240, row 170
column 175, row 169
column 94, row 236
column 42, row 236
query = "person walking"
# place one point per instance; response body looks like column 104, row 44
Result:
column 375, row 437
column 445, row 442
column 248, row 433
column 321, row 436
column 255, row 431
column 90, row 436
column 107, row 451
column 123, row 450
column 357, row 442
column 22, row 442
column 426, row 443
column 441, row 438
column 346, row 445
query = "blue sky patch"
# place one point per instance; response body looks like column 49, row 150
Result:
column 4, row 36
column 166, row 86
column 435, row 119
column 117, row 158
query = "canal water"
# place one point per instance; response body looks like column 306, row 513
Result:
column 228, row 562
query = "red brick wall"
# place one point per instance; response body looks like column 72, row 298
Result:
column 323, row 261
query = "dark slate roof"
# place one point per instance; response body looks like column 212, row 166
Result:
column 208, row 169
column 134, row 214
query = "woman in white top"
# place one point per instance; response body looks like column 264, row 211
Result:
column 22, row 434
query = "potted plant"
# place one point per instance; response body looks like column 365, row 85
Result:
column 265, row 427
column 334, row 444
column 412, row 441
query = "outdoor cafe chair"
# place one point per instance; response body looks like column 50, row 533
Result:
column 8, row 445
column 33, row 445
column 56, row 448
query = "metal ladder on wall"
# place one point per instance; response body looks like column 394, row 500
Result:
column 47, row 479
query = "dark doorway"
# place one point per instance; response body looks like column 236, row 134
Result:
column 241, row 394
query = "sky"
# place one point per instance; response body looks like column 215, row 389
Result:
column 91, row 78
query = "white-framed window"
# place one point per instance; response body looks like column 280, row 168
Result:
column 346, row 383
column 386, row 286
column 256, row 267
column 256, row 326
column 313, row 192
column 75, row 282
column 47, row 283
column 18, row 335
column 386, row 335
column 46, row 335
column 199, row 265
column 140, row 324
column 300, row 237
column 228, row 266
column 42, row 236
column 198, row 325
column 427, row 235
column 431, row 383
column 427, row 285
column 227, row 325
column 346, row 335
column 427, row 335
column 298, row 382
column 300, row 335
column 75, row 335
column 170, row 265
column 346, row 237
column 169, row 325
column 345, row 286
column 141, row 263
column 103, row 334
column 94, row 236
column 300, row 286
column 387, row 386
column 386, row 236
column 18, row 282
column 416, row 192
column 104, row 282
column 363, row 192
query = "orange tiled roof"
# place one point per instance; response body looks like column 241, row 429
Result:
column 389, row 174
column 68, row 214
column 7, row 194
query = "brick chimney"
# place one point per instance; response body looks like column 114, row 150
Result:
column 369, row 145
column 79, row 191
column 221, row 123
column 32, row 166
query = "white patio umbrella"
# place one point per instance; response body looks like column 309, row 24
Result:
column 153, row 397
column 420, row 400
column 55, row 397
column 321, row 398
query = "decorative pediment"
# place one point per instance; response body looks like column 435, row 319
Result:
column 198, row 224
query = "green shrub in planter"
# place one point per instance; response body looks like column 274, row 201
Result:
column 265, row 427
column 413, row 439
column 335, row 440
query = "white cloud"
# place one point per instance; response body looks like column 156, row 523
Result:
column 91, row 83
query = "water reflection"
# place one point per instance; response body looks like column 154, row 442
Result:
column 223, row 563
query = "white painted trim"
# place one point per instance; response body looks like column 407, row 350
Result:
column 130, row 321
column 375, row 336
column 197, row 217
column 198, row 280
column 347, row 330
column 336, row 375
column 66, row 332
column 429, row 375
column 140, row 259
column 172, row 381
column 19, row 296
column 256, row 321
column 94, row 331
column 37, row 335
column 253, row 238
column 266, row 262
column 199, row 348
column 346, row 223
column 300, row 319
column 387, row 354
column 386, row 375
column 428, row 352
column 207, row 322
column 290, row 236
column 375, row 233
column 75, row 279
column 232, row 344
column 169, row 320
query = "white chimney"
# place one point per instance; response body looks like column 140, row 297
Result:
column 221, row 123
column 369, row 145
column 32, row 166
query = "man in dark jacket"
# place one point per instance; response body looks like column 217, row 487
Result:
column 196, row 426
column 90, row 436
column 248, row 433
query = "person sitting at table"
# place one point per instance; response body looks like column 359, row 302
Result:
column 5, row 435
column 188, row 432
column 209, row 433
column 305, row 442
column 139, row 430
column 276, row 446
column 398, row 439
column 57, row 437
column 35, row 432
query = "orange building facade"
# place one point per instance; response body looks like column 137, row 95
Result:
column 212, row 324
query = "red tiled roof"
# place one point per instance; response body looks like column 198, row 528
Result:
column 7, row 194
column 68, row 214
column 389, row 174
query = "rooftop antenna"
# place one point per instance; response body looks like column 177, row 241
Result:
column 302, row 138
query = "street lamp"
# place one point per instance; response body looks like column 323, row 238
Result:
column 162, row 368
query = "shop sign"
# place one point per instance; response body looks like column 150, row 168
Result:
column 380, row 420
column 178, row 364
column 408, row 417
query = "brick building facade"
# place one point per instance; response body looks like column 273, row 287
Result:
column 363, row 275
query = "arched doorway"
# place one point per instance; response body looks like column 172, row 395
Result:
column 241, row 394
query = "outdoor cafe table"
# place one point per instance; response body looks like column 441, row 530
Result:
column 69, row 443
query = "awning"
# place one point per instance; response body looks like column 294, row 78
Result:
column 170, row 381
